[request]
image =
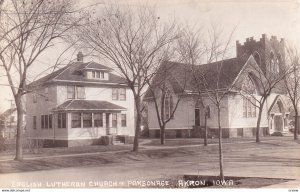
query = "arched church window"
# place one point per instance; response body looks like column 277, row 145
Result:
column 257, row 57
column 248, row 86
column 168, row 105
column 272, row 62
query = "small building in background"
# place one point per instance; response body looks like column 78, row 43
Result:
column 8, row 123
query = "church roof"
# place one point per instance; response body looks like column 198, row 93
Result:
column 184, row 76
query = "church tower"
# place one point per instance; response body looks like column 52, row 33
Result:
column 269, row 53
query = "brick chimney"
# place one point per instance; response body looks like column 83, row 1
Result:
column 80, row 56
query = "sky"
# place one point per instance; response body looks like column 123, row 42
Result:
column 249, row 18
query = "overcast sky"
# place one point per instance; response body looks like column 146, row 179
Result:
column 251, row 19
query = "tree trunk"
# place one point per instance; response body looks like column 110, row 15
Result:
column 220, row 146
column 258, row 124
column 162, row 135
column 205, row 131
column 296, row 125
column 137, row 125
column 19, row 141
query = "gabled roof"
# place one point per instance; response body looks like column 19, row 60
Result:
column 8, row 112
column 183, row 76
column 74, row 73
column 94, row 65
column 83, row 105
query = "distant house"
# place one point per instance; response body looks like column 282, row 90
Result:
column 79, row 104
column 8, row 123
column 238, row 114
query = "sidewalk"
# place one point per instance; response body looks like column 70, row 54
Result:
column 143, row 147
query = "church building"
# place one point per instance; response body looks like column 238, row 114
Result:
column 239, row 111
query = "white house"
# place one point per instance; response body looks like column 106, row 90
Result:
column 80, row 104
column 238, row 114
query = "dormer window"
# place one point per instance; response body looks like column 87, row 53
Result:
column 98, row 74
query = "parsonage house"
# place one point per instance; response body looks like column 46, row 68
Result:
column 80, row 104
column 238, row 113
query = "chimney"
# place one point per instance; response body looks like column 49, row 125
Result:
column 80, row 56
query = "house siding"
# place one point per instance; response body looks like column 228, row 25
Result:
column 57, row 96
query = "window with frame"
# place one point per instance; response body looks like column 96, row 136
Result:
column 62, row 120
column 87, row 120
column 34, row 122
column 50, row 121
column 122, row 94
column 76, row 120
column 249, row 108
column 114, row 120
column 123, row 120
column 168, row 106
column 46, row 121
column 98, row 120
column 115, row 94
column 80, row 92
column 71, row 92
column 98, row 74
column 42, row 121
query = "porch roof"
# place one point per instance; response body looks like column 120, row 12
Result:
column 88, row 105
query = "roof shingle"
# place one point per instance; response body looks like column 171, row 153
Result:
column 80, row 105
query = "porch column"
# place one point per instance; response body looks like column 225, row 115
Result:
column 104, row 119
column 110, row 120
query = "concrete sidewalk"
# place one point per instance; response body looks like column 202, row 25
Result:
column 143, row 147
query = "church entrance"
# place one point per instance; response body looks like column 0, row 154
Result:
column 278, row 123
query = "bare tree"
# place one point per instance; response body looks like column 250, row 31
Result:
column 208, row 82
column 27, row 29
column 266, row 80
column 165, row 99
column 292, row 83
column 133, row 41
column 191, row 50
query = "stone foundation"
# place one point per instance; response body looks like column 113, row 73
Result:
column 171, row 133
column 104, row 140
column 198, row 132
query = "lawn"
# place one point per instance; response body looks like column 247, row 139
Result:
column 172, row 163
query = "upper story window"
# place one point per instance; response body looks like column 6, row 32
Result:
column 76, row 92
column 71, row 92
column 98, row 74
column 119, row 94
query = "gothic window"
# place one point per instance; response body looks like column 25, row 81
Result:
column 249, row 109
column 272, row 62
column 168, row 105
column 248, row 86
column 257, row 58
